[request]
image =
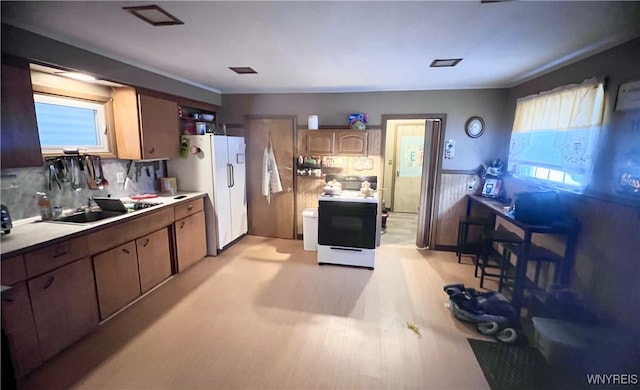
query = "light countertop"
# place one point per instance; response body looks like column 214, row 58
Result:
column 29, row 234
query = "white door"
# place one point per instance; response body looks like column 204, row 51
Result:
column 408, row 165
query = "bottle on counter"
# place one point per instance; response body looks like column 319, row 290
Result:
column 46, row 212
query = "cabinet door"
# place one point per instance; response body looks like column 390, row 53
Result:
column 352, row 143
column 320, row 143
column 20, row 329
column 20, row 139
column 160, row 127
column 117, row 280
column 64, row 305
column 191, row 242
column 154, row 259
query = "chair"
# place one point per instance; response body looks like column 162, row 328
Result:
column 487, row 239
column 463, row 246
column 537, row 254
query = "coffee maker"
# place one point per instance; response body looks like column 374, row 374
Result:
column 5, row 220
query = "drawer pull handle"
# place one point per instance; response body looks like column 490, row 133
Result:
column 181, row 224
column 190, row 207
column 126, row 251
column 60, row 254
column 7, row 300
column 146, row 242
column 152, row 150
column 49, row 283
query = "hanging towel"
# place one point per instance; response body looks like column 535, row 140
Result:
column 270, row 177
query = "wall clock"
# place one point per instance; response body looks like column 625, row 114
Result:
column 474, row 127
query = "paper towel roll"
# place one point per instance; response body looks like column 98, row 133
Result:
column 312, row 123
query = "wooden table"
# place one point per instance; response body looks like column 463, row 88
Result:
column 567, row 231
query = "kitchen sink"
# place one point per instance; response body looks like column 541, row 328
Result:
column 91, row 216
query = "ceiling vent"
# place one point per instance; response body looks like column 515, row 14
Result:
column 154, row 15
column 243, row 70
column 443, row 63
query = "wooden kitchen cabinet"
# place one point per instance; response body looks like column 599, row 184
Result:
column 20, row 139
column 191, row 243
column 351, row 143
column 320, row 142
column 20, row 329
column 17, row 318
column 64, row 305
column 147, row 127
column 154, row 259
column 117, row 278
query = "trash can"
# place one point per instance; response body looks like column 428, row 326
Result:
column 310, row 229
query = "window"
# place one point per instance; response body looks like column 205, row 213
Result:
column 555, row 135
column 65, row 122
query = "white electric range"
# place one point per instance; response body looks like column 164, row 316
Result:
column 347, row 224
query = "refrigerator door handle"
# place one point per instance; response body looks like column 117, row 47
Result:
column 233, row 179
column 228, row 175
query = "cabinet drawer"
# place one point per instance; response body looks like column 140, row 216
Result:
column 56, row 255
column 13, row 270
column 188, row 208
column 105, row 239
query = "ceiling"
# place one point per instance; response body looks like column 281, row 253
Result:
column 339, row 46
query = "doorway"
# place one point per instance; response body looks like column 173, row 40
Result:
column 412, row 147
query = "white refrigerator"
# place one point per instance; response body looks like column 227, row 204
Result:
column 215, row 164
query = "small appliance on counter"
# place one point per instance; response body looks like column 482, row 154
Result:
column 6, row 220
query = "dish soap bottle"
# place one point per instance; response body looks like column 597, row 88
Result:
column 45, row 206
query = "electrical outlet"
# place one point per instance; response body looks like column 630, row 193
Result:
column 120, row 177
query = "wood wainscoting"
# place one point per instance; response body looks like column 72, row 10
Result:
column 452, row 204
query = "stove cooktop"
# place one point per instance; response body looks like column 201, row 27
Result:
column 348, row 196
column 144, row 205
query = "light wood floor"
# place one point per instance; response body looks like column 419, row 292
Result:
column 264, row 315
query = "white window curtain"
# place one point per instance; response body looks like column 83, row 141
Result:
column 555, row 134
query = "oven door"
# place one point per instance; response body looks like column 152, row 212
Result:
column 347, row 224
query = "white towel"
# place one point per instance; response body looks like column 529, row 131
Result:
column 270, row 176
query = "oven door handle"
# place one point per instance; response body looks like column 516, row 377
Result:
column 345, row 249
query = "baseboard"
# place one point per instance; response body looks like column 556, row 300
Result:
column 445, row 248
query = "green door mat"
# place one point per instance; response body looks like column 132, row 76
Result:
column 511, row 367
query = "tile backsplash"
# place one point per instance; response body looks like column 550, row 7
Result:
column 19, row 186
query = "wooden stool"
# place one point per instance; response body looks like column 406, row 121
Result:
column 536, row 253
column 487, row 239
column 464, row 247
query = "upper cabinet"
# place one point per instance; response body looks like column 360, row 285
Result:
column 351, row 143
column 20, row 140
column 336, row 142
column 147, row 127
column 320, row 142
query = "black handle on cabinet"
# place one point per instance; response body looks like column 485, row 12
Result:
column 182, row 225
column 60, row 254
column 146, row 242
column 190, row 207
column 126, row 250
column 49, row 283
column 152, row 150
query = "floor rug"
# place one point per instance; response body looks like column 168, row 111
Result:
column 509, row 367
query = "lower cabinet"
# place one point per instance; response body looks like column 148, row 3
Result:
column 20, row 329
column 131, row 269
column 191, row 242
column 154, row 259
column 64, row 305
column 117, row 280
